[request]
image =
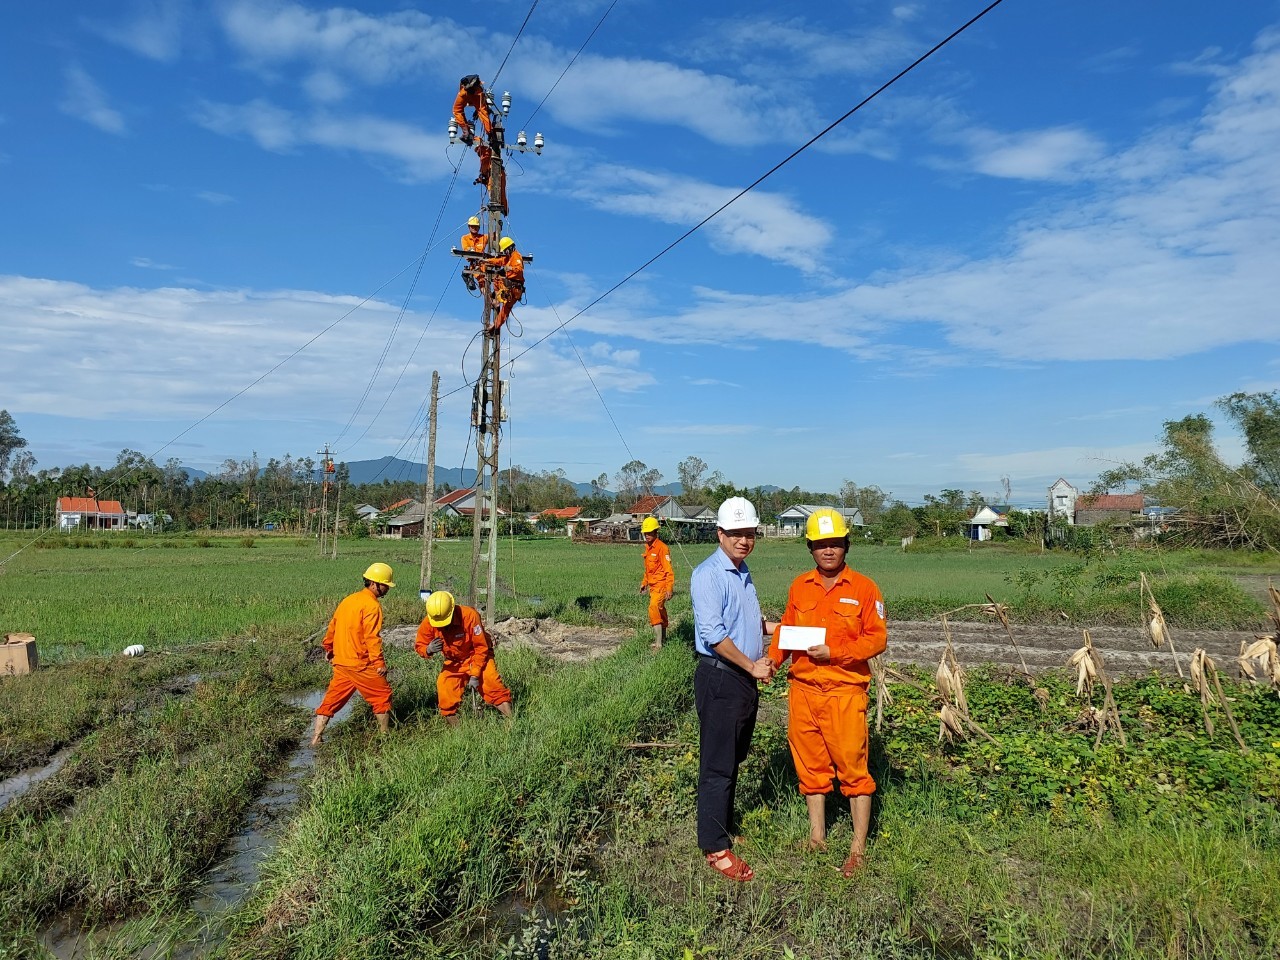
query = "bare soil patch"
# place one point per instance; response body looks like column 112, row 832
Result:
column 564, row 642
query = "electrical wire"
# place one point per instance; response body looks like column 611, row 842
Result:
column 514, row 41
column 599, row 24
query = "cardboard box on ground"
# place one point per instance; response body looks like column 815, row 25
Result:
column 18, row 654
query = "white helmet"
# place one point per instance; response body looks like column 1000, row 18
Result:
column 737, row 513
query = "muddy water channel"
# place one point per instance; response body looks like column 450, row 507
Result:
column 19, row 784
column 230, row 879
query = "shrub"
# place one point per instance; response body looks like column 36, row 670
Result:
column 204, row 542
column 247, row 542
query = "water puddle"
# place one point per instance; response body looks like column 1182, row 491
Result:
column 20, row 783
column 229, row 881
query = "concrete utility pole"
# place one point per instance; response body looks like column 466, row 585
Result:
column 326, row 468
column 429, row 494
column 488, row 399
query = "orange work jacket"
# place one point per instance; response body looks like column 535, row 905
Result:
column 512, row 265
column 354, row 636
column 466, row 645
column 475, row 100
column 852, row 612
column 473, row 243
column 658, row 573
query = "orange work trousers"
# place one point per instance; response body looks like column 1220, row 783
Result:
column 452, row 682
column 346, row 681
column 658, row 607
column 827, row 733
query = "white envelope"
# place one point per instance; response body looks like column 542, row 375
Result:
column 800, row 638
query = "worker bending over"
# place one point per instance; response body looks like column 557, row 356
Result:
column 659, row 579
column 458, row 633
column 827, row 703
column 353, row 644
column 471, row 94
column 473, row 241
column 507, row 269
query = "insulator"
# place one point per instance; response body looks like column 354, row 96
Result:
column 453, row 130
column 521, row 140
column 537, row 143
column 488, row 98
column 506, row 102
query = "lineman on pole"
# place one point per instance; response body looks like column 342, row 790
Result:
column 473, row 241
column 508, row 280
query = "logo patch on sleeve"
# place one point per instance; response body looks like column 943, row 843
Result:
column 477, row 630
column 880, row 608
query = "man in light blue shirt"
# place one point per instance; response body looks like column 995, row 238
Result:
column 729, row 636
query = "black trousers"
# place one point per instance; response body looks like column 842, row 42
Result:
column 727, row 700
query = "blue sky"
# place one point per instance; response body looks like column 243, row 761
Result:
column 1019, row 261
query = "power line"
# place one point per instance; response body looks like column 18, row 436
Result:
column 755, row 183
column 516, row 40
column 599, row 24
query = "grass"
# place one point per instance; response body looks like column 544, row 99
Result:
column 81, row 603
column 549, row 837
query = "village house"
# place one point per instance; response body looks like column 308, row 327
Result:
column 90, row 513
column 792, row 521
column 1108, row 508
column 1062, row 501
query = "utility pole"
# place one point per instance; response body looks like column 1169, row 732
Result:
column 488, row 400
column 326, row 468
column 429, row 494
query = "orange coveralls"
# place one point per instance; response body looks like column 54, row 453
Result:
column 508, row 285
column 474, row 99
column 475, row 243
column 660, row 578
column 467, row 653
column 353, row 644
column 827, row 705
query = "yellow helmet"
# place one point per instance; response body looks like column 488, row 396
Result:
column 825, row 524
column 440, row 608
column 379, row 573
column 473, row 222
column 505, row 244
column 649, row 525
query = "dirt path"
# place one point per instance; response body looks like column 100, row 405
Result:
column 1125, row 650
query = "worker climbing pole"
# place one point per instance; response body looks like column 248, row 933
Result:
column 496, row 268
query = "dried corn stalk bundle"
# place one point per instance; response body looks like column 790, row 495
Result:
column 1204, row 677
column 1087, row 664
column 884, row 698
column 999, row 610
column 1260, row 662
column 1274, row 594
column 953, row 719
column 1157, row 627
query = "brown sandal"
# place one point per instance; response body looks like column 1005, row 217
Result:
column 731, row 865
column 851, row 866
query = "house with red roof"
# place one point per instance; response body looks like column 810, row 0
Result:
column 90, row 513
column 1106, row 508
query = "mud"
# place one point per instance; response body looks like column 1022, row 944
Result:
column 558, row 641
column 19, row 784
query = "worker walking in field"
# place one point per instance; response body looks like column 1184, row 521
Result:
column 659, row 579
column 471, row 94
column 473, row 241
column 458, row 633
column 508, row 280
column 353, row 644
column 827, row 703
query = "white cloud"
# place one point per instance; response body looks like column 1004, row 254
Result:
column 148, row 264
column 420, row 156
column 1060, row 153
column 324, row 86
column 214, row 198
column 154, row 32
column 84, row 100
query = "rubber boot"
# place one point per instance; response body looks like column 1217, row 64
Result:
column 657, row 637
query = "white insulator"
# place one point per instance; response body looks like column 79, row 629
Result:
column 521, row 140
column 537, row 143
column 453, row 130
column 135, row 650
column 506, row 102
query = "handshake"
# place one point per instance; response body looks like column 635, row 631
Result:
column 763, row 669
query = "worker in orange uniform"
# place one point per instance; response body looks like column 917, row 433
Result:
column 508, row 280
column 353, row 644
column 827, row 704
column 473, row 241
column 659, row 579
column 458, row 633
column 471, row 94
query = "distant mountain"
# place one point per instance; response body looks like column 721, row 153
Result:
column 194, row 474
column 393, row 468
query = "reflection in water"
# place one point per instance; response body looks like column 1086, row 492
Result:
column 19, row 784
